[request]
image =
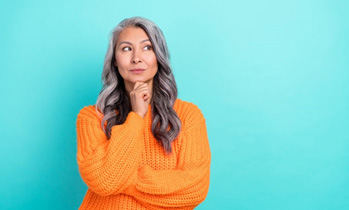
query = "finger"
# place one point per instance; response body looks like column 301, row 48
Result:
column 142, row 87
column 138, row 84
column 140, row 93
column 140, row 90
column 144, row 94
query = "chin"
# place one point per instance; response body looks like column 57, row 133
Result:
column 140, row 80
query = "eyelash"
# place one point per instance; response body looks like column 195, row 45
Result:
column 149, row 46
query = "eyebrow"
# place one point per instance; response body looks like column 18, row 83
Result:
column 126, row 42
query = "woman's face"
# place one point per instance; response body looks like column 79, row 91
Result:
column 135, row 57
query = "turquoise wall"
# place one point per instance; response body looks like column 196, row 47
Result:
column 271, row 78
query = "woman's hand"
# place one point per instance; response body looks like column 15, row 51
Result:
column 139, row 98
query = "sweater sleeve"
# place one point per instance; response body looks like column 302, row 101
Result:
column 108, row 166
column 188, row 184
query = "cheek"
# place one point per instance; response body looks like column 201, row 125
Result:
column 121, row 66
column 152, row 61
column 121, row 61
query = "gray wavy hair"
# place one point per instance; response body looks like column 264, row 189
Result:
column 114, row 98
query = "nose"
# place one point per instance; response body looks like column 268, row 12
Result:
column 136, row 57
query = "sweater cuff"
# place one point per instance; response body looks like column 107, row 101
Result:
column 133, row 121
column 133, row 114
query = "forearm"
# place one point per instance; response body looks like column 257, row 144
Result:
column 188, row 184
column 110, row 167
column 182, row 188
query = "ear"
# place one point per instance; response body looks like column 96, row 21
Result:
column 115, row 64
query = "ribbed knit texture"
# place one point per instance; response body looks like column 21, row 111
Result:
column 131, row 169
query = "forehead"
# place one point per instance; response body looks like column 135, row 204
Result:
column 132, row 35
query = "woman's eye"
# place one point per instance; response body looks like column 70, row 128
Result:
column 148, row 47
column 126, row 49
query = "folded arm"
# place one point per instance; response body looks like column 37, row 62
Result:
column 185, row 186
column 108, row 167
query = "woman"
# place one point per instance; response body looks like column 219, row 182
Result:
column 140, row 147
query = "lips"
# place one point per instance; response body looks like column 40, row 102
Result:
column 137, row 70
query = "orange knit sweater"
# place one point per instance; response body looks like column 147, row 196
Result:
column 131, row 169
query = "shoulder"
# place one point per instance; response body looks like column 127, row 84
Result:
column 188, row 112
column 89, row 113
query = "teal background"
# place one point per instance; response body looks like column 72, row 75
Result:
column 271, row 78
